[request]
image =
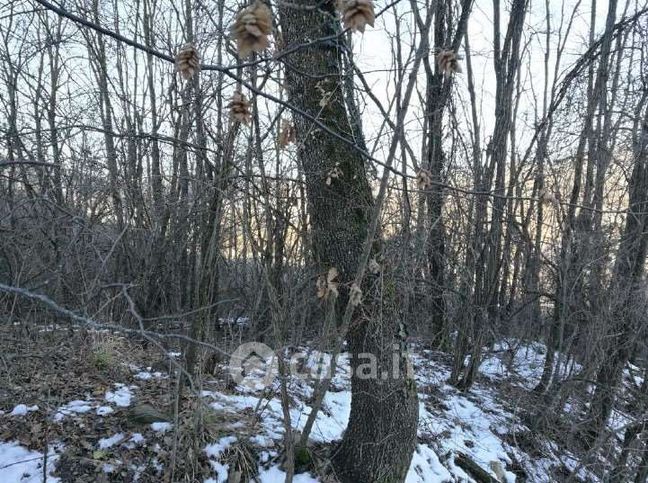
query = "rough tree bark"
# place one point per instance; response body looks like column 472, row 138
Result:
column 435, row 162
column 381, row 434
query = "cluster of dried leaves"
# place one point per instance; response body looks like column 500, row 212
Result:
column 251, row 30
column 187, row 61
column 424, row 180
column 326, row 95
column 334, row 173
column 356, row 14
column 240, row 108
column 327, row 287
column 326, row 284
column 448, row 62
column 374, row 267
column 252, row 27
column 287, row 134
column 355, row 294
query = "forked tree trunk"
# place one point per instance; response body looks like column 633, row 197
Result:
column 381, row 434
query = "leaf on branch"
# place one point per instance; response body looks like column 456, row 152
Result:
column 448, row 62
column 424, row 180
column 325, row 94
column 355, row 295
column 187, row 61
column 326, row 99
column 252, row 27
column 240, row 108
column 357, row 14
column 287, row 135
column 548, row 198
column 326, row 285
column 373, row 266
column 279, row 43
column 335, row 173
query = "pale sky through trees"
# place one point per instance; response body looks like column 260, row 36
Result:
column 373, row 55
column 210, row 272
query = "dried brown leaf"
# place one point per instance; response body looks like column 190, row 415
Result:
column 448, row 62
column 252, row 27
column 187, row 61
column 240, row 108
column 287, row 135
column 424, row 180
column 357, row 14
column 355, row 294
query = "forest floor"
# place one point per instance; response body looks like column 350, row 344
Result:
column 78, row 406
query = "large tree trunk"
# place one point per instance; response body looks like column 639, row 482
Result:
column 381, row 435
column 435, row 250
column 438, row 93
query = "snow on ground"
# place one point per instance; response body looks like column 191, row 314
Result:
column 147, row 374
column 76, row 406
column 22, row 409
column 465, row 426
column 274, row 474
column 469, row 428
column 214, row 451
column 472, row 423
column 161, row 427
column 507, row 360
column 20, row 465
column 451, row 422
column 105, row 443
column 521, row 363
column 104, row 410
column 426, row 467
column 121, row 396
